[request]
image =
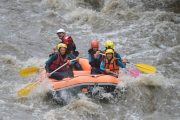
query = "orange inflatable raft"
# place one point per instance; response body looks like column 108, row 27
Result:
column 82, row 82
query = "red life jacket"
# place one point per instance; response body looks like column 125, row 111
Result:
column 71, row 47
column 59, row 62
column 112, row 65
column 67, row 40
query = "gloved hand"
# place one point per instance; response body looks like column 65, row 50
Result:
column 68, row 62
column 96, row 54
column 107, row 70
column 124, row 60
column 48, row 74
column 54, row 49
column 71, row 52
column 77, row 59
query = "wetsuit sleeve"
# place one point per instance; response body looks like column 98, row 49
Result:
column 49, row 62
column 72, row 62
column 99, row 57
column 70, row 56
column 102, row 67
column 118, row 56
column 121, row 64
column 74, row 46
column 90, row 59
column 71, row 48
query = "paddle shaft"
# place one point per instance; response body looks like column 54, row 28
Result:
column 23, row 92
column 61, row 66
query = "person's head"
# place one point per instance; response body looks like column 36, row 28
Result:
column 62, row 48
column 109, row 54
column 61, row 33
column 95, row 44
column 109, row 44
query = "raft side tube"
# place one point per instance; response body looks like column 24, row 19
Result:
column 85, row 64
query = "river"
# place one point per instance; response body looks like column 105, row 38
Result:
column 146, row 31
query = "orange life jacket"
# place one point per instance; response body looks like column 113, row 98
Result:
column 112, row 65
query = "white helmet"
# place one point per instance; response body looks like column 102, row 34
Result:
column 61, row 31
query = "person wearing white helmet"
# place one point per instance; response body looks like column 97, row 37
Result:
column 71, row 47
column 61, row 33
column 61, row 30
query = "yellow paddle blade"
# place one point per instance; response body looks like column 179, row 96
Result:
column 27, row 89
column 146, row 68
column 28, row 71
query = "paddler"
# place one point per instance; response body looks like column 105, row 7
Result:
column 109, row 44
column 110, row 64
column 94, row 57
column 58, row 59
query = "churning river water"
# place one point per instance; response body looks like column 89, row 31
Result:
column 146, row 31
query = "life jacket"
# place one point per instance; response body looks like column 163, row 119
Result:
column 59, row 62
column 112, row 65
column 71, row 47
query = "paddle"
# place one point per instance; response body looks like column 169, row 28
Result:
column 27, row 89
column 133, row 72
column 143, row 67
column 31, row 86
column 29, row 70
column 146, row 68
column 62, row 66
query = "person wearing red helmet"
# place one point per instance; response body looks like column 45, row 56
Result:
column 94, row 57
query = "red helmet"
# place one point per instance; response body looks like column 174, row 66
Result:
column 67, row 40
column 94, row 43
